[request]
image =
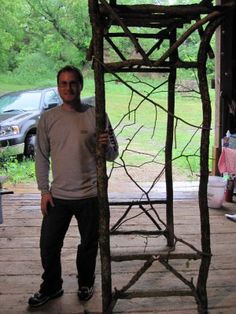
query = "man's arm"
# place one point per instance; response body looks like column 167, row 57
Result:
column 42, row 165
column 112, row 150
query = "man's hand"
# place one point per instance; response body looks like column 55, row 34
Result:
column 104, row 138
column 46, row 199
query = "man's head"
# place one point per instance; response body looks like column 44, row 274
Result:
column 71, row 68
column 70, row 84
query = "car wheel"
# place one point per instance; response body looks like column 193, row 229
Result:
column 30, row 141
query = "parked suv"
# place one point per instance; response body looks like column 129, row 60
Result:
column 19, row 115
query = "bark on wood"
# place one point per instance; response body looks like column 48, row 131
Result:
column 179, row 10
column 204, row 170
column 169, row 256
column 104, row 239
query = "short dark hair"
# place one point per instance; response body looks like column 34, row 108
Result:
column 71, row 68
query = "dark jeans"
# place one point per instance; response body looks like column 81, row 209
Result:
column 54, row 227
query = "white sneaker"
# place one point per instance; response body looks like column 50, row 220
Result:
column 231, row 217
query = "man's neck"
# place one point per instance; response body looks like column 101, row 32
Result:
column 71, row 106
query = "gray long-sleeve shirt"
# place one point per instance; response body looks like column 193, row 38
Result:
column 66, row 143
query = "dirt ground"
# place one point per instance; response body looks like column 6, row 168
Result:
column 121, row 180
column 149, row 173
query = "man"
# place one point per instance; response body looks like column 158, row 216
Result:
column 66, row 142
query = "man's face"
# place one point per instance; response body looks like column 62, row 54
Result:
column 69, row 87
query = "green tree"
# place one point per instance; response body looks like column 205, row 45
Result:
column 11, row 32
column 57, row 31
column 62, row 29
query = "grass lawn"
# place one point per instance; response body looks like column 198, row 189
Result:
column 140, row 127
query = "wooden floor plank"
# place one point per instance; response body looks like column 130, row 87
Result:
column 20, row 267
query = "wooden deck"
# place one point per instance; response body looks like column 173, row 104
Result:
column 20, row 268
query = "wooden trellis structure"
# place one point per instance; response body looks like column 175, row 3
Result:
column 164, row 22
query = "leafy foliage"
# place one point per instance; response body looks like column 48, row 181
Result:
column 11, row 33
column 50, row 33
column 57, row 32
column 16, row 170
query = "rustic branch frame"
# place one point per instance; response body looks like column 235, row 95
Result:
column 103, row 14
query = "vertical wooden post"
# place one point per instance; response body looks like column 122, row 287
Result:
column 204, row 167
column 169, row 147
column 104, row 222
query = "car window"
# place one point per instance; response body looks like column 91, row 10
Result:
column 20, row 102
column 51, row 97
